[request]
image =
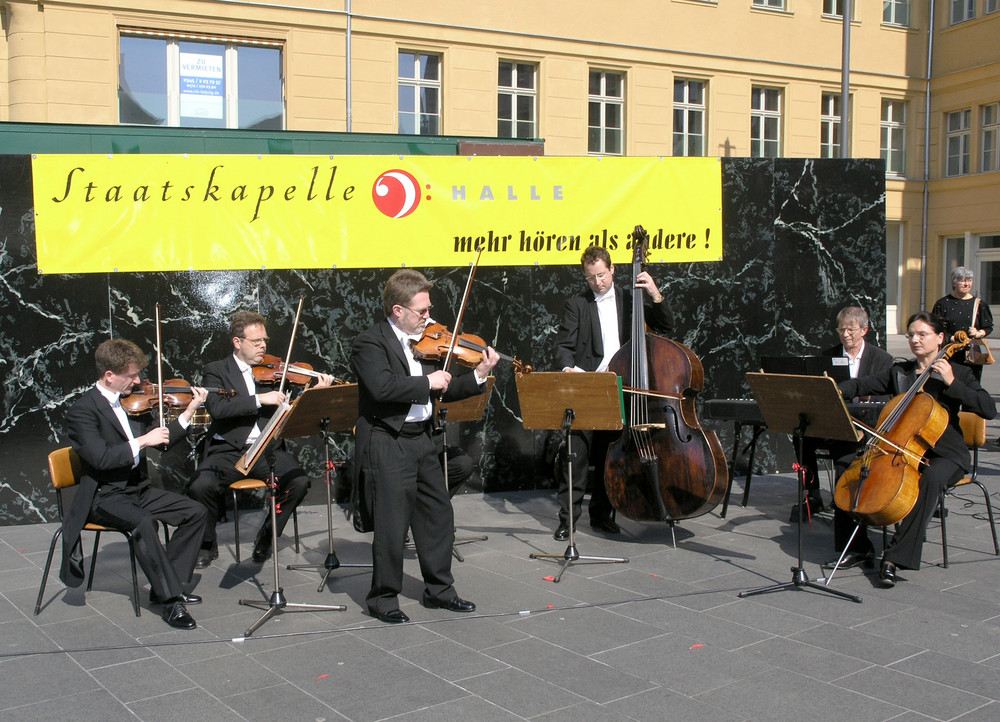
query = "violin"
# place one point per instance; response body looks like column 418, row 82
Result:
column 882, row 484
column 271, row 369
column 176, row 395
column 468, row 349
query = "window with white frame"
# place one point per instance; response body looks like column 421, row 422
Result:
column 829, row 126
column 689, row 117
column 954, row 256
column 957, row 142
column 169, row 80
column 990, row 160
column 992, row 6
column 962, row 10
column 896, row 12
column 835, row 8
column 606, row 111
column 771, row 4
column 419, row 93
column 893, row 142
column 765, row 122
column 516, row 98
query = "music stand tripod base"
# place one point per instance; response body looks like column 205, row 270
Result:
column 555, row 400
column 794, row 405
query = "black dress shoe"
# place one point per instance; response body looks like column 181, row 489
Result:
column 452, row 605
column 262, row 544
column 887, row 574
column 205, row 557
column 562, row 533
column 608, row 526
column 393, row 616
column 185, row 598
column 176, row 615
column 853, row 559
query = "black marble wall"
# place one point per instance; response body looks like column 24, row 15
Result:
column 802, row 238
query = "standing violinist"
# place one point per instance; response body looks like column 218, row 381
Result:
column 595, row 324
column 397, row 467
column 955, row 388
column 237, row 421
column 115, row 490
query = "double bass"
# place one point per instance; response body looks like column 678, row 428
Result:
column 882, row 484
column 665, row 467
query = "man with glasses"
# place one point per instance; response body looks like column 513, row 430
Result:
column 595, row 324
column 236, row 423
column 397, row 468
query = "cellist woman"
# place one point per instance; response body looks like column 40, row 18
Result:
column 955, row 388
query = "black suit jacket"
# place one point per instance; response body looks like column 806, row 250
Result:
column 232, row 417
column 579, row 341
column 873, row 361
column 105, row 458
column 386, row 390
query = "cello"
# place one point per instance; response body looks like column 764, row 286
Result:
column 882, row 484
column 665, row 467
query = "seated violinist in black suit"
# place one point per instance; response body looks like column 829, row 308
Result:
column 115, row 490
column 236, row 423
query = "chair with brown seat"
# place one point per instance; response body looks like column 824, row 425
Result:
column 64, row 471
column 253, row 485
column 974, row 431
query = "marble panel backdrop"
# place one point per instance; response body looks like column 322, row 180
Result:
column 802, row 238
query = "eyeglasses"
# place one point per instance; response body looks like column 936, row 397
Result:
column 919, row 334
column 596, row 277
column 851, row 330
column 256, row 342
column 420, row 311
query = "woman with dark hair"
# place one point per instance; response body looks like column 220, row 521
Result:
column 962, row 311
column 955, row 388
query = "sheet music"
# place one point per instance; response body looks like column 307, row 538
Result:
column 252, row 455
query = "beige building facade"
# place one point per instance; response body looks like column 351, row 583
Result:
column 642, row 78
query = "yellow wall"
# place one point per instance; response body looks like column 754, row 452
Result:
column 58, row 63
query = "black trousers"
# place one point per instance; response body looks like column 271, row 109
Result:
column 218, row 470
column 138, row 508
column 905, row 549
column 588, row 447
column 405, row 476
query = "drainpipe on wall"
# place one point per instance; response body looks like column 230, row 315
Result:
column 927, row 161
column 347, row 66
column 845, row 84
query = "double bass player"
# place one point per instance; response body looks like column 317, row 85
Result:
column 594, row 326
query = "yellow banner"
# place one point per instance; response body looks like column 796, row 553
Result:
column 99, row 213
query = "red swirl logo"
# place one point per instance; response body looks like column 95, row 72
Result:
column 396, row 193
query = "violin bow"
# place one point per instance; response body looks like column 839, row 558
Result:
column 159, row 367
column 291, row 342
column 461, row 311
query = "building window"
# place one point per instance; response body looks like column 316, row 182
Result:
column 770, row 4
column 957, row 142
column 173, row 82
column 835, row 8
column 829, row 126
column 991, row 138
column 419, row 93
column 689, row 118
column 992, row 6
column 894, row 136
column 896, row 12
column 962, row 10
column 765, row 123
column 606, row 109
column 516, row 99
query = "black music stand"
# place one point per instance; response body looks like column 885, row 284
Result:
column 571, row 401
column 802, row 406
column 336, row 407
column 470, row 409
column 309, row 418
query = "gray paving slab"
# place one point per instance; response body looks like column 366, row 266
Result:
column 662, row 637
